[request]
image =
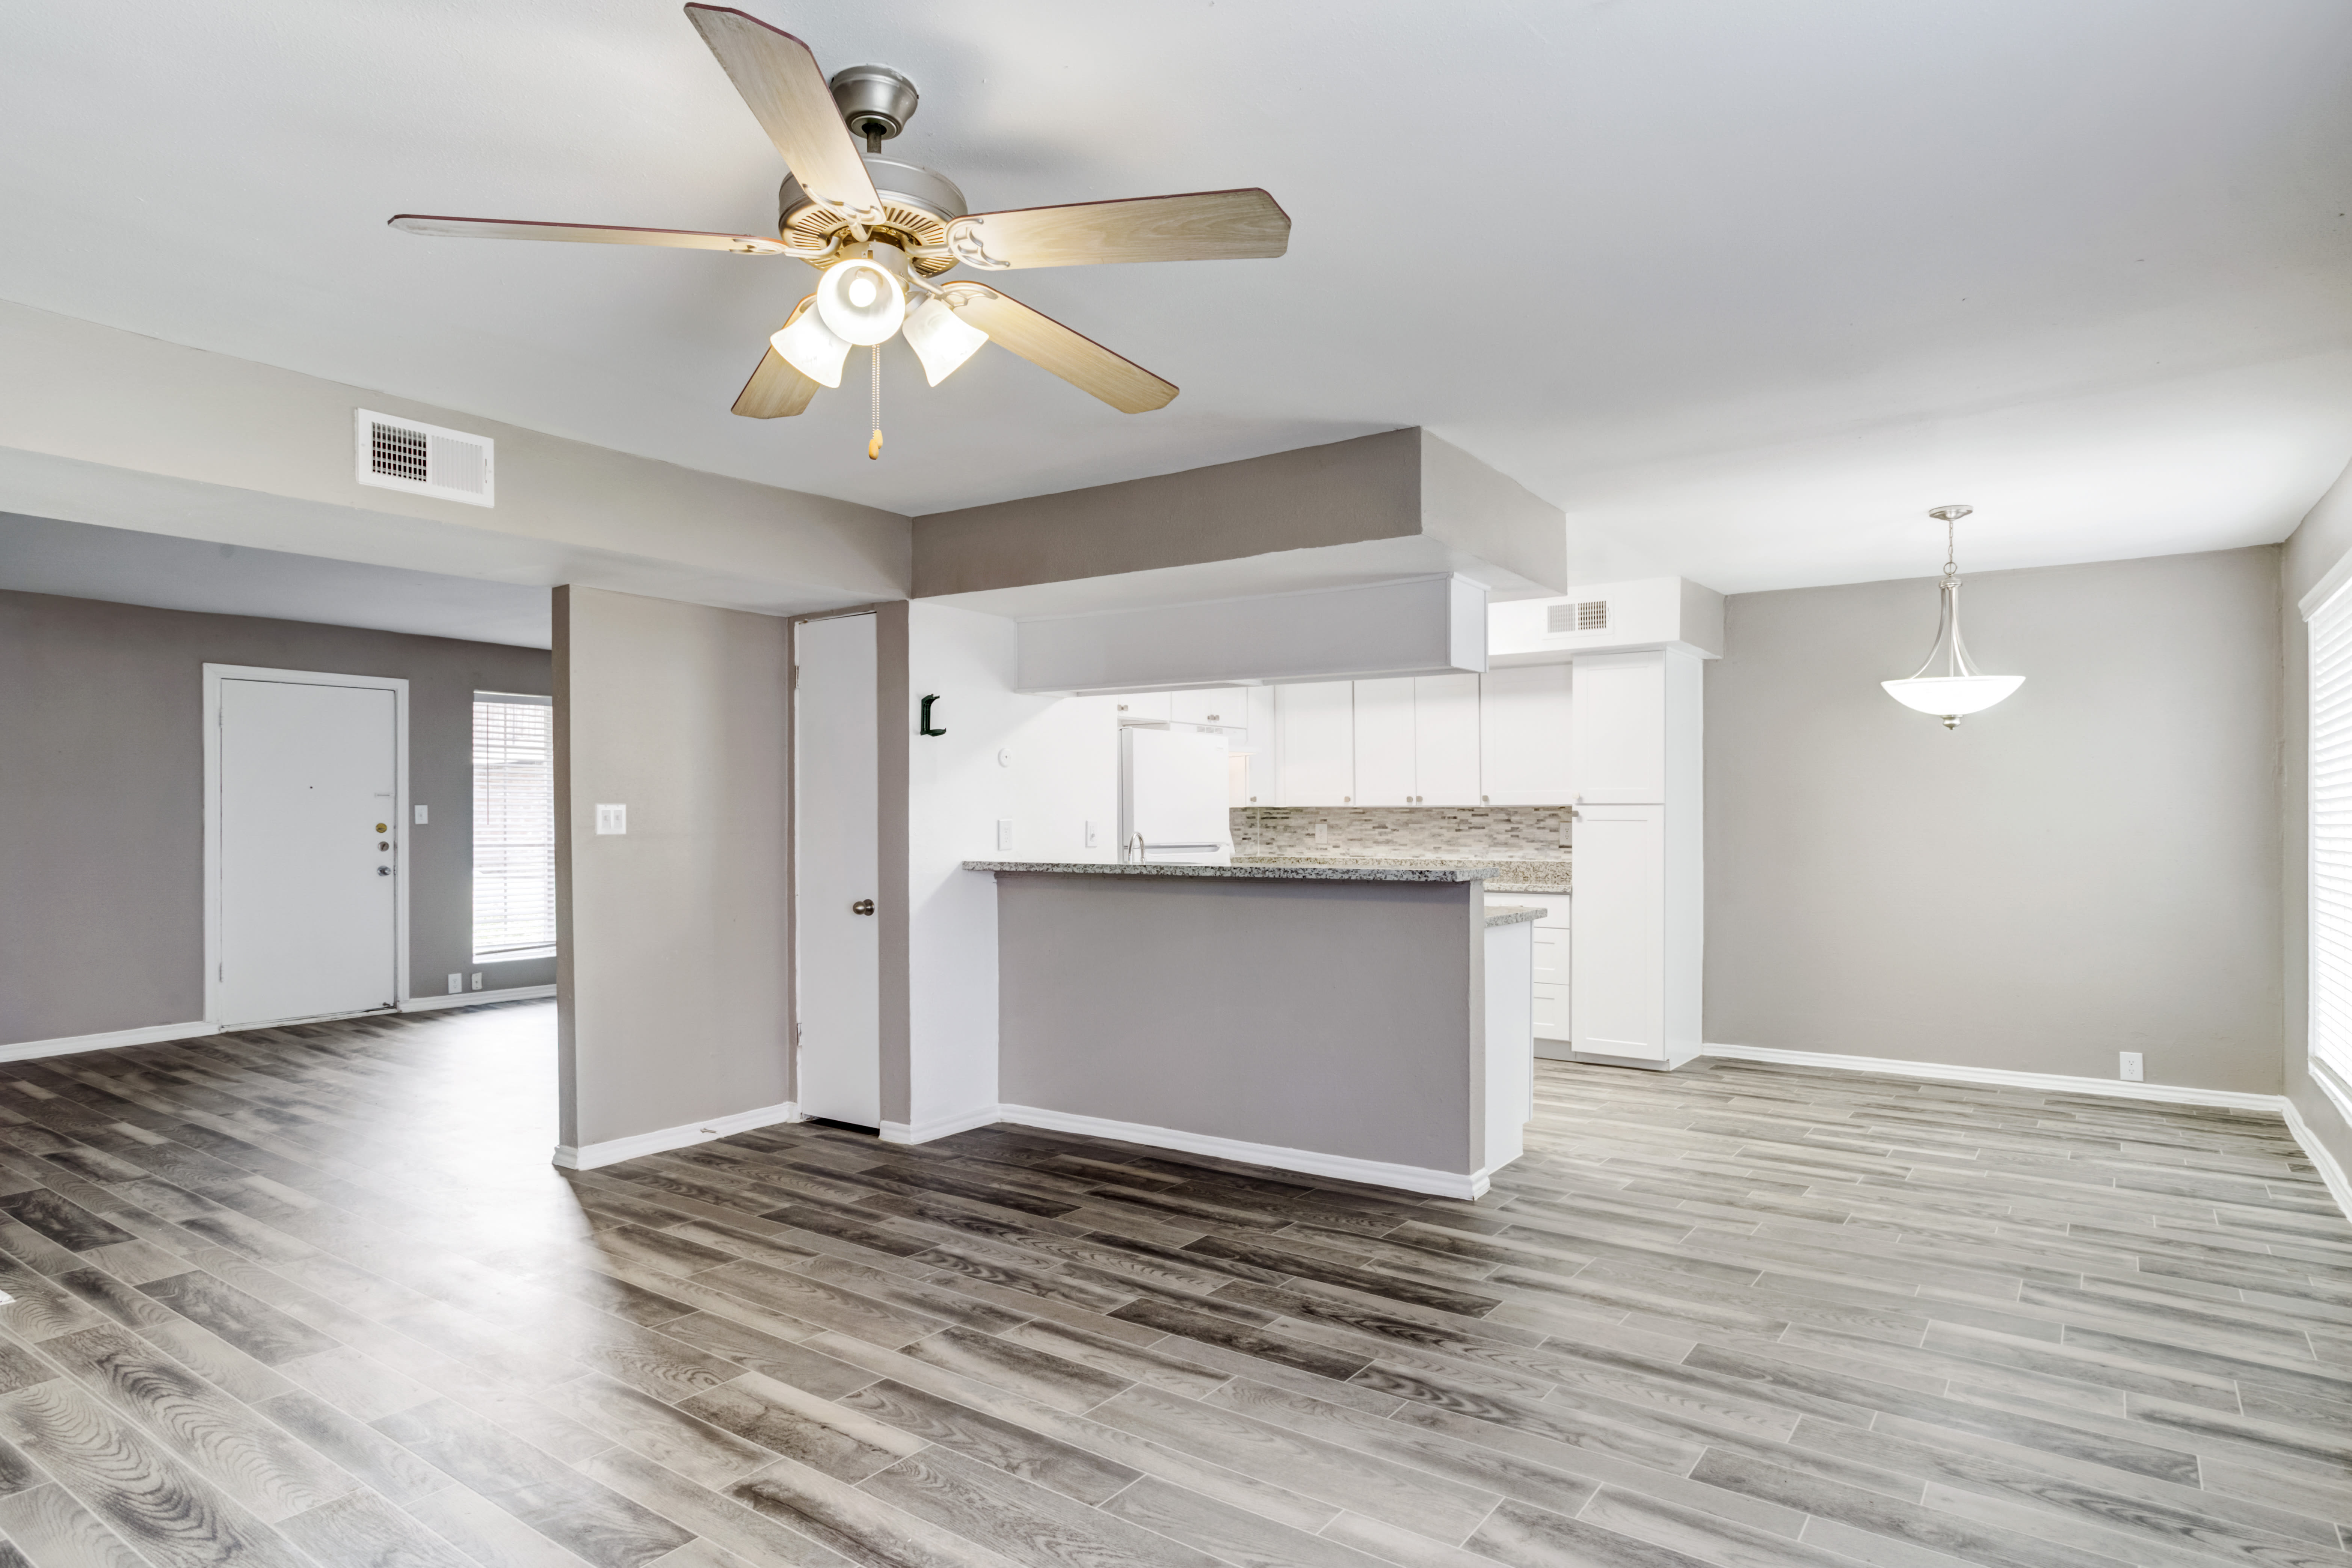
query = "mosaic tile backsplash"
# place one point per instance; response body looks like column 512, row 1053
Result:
column 1403, row 832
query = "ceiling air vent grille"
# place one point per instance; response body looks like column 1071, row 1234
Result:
column 1592, row 615
column 398, row 454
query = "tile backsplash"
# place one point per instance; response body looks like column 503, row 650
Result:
column 1403, row 832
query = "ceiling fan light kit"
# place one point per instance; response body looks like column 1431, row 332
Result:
column 880, row 229
column 1960, row 689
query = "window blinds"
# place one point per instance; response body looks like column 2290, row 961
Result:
column 514, row 827
column 2331, row 837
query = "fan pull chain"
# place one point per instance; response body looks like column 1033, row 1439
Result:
column 874, row 447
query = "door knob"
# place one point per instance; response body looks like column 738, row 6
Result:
column 862, row 906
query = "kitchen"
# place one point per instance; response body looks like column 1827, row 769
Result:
column 1378, row 873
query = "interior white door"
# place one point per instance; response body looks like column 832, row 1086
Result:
column 836, row 871
column 1618, row 946
column 1523, row 735
column 1384, row 773
column 309, row 815
column 1317, row 723
column 1445, row 740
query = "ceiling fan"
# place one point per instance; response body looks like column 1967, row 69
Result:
column 881, row 232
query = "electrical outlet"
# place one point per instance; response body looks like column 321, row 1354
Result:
column 1322, row 833
column 1004, row 833
column 611, row 819
column 420, row 817
column 456, row 983
column 1093, row 835
column 2128, row 1066
column 477, row 980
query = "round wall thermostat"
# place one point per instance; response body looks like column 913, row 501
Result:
column 1005, row 757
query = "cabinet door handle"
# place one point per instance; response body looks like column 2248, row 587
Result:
column 862, row 906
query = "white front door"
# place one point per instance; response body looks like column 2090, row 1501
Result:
column 837, row 961
column 308, row 815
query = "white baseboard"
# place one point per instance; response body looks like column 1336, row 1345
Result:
column 1372, row 1173
column 2330, row 1172
column 941, row 1126
column 589, row 1156
column 68, row 1045
column 476, row 998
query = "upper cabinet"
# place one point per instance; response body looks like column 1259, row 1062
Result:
column 1383, row 742
column 1446, row 725
column 1227, row 707
column 1145, row 706
column 1620, row 728
column 1315, row 741
column 1523, row 736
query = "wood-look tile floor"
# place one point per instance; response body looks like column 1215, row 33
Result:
column 313, row 1296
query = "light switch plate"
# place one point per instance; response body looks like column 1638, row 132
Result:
column 1090, row 836
column 1004, row 833
column 612, row 818
column 2128, row 1066
column 420, row 817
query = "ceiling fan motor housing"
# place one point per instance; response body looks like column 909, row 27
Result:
column 917, row 206
column 876, row 101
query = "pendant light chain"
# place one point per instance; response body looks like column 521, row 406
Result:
column 874, row 447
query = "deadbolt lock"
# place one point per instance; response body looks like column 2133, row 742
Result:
column 380, row 826
column 862, row 906
column 384, row 870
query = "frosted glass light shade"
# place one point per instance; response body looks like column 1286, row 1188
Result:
column 941, row 339
column 809, row 347
column 1949, row 696
column 862, row 301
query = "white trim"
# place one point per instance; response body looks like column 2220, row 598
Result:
column 2050, row 1082
column 589, row 1156
column 214, row 674
column 1373, row 1172
column 70, row 1045
column 477, row 998
column 2339, row 577
column 2338, row 1188
column 941, row 1126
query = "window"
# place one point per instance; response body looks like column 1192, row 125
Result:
column 514, row 826
column 2331, row 837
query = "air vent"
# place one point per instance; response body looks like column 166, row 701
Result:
column 1592, row 616
column 397, row 454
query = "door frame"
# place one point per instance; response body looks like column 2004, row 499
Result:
column 793, row 825
column 398, row 686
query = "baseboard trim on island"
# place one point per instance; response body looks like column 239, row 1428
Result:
column 1372, row 1173
column 478, row 998
column 941, row 1126
column 590, row 1157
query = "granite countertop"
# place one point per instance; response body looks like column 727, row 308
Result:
column 1511, row 914
column 1501, row 876
column 1285, row 871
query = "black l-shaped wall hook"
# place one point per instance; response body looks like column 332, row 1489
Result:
column 926, row 726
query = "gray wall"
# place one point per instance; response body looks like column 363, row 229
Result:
column 2309, row 554
column 102, row 795
column 2090, row 866
column 672, row 976
column 1342, row 1017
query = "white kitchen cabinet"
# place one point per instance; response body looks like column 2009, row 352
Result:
column 1383, row 742
column 1315, row 731
column 1258, row 746
column 1621, row 728
column 1145, row 706
column 1227, row 707
column 1445, row 728
column 1619, row 947
column 1554, row 943
column 1523, row 735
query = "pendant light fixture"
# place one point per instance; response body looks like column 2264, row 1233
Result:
column 1955, row 688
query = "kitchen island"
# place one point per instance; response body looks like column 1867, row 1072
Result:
column 1365, row 1021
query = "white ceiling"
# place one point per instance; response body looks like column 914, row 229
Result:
column 78, row 561
column 1747, row 287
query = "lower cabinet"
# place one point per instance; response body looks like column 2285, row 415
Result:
column 1554, row 937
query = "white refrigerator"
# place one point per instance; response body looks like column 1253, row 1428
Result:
column 1174, row 795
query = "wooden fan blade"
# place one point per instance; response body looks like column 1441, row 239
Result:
column 1207, row 225
column 779, row 77
column 777, row 390
column 1075, row 357
column 584, row 232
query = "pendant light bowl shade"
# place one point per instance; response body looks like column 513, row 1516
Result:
column 1947, row 697
column 862, row 301
column 809, row 346
column 941, row 339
